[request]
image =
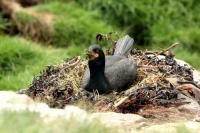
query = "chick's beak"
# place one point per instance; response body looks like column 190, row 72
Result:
column 92, row 55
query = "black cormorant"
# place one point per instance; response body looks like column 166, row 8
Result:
column 109, row 73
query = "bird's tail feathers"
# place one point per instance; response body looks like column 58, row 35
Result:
column 124, row 46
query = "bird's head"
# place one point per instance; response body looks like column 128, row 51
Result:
column 95, row 52
column 96, row 56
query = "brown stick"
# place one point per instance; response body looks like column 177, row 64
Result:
column 188, row 82
column 169, row 48
column 121, row 101
column 162, row 51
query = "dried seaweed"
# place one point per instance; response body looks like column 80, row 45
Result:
column 152, row 86
column 57, row 84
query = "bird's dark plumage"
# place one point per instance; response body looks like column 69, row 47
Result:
column 105, row 74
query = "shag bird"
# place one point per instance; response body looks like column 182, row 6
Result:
column 115, row 72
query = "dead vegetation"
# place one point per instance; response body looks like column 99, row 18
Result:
column 57, row 85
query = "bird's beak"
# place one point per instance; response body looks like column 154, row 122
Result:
column 92, row 55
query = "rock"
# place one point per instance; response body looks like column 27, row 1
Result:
column 164, row 128
column 12, row 98
column 124, row 122
column 196, row 76
column 11, row 101
column 118, row 119
column 193, row 126
column 67, row 113
column 73, row 111
column 192, row 106
column 187, row 126
column 18, row 102
column 182, row 63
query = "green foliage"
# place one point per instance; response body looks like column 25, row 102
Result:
column 190, row 37
column 48, row 1
column 72, row 24
column 3, row 23
column 27, row 122
column 152, row 21
column 2, row 26
column 117, row 12
column 126, row 14
column 188, row 56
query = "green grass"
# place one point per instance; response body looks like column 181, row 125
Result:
column 190, row 38
column 190, row 57
column 25, row 18
column 27, row 122
column 15, row 55
column 20, row 60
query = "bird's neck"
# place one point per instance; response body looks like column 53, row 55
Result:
column 98, row 79
column 97, row 75
column 97, row 68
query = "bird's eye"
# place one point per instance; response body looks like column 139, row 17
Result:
column 96, row 51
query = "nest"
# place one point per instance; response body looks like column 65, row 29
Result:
column 159, row 83
column 156, row 71
column 57, row 84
